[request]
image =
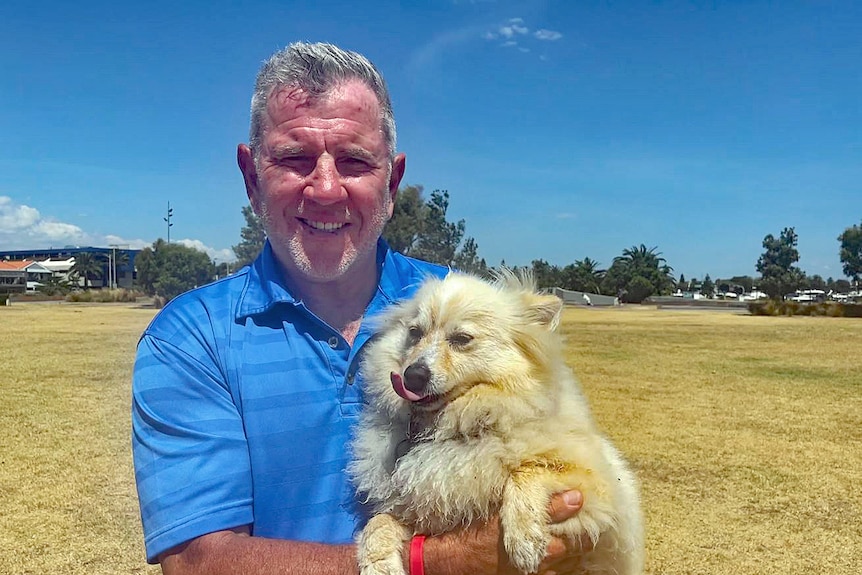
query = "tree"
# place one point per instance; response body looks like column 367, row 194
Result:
column 467, row 259
column 778, row 274
column 167, row 270
column 643, row 262
column 419, row 229
column 253, row 237
column 408, row 217
column 816, row 282
column 682, row 285
column 87, row 266
column 544, row 274
column 745, row 282
column 851, row 252
column 638, row 289
column 438, row 239
column 584, row 275
column 707, row 288
column 54, row 286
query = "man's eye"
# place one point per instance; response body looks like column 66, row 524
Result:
column 353, row 166
column 300, row 164
column 460, row 339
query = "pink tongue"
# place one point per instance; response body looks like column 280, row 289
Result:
column 398, row 386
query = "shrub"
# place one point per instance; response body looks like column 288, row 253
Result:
column 851, row 309
column 104, row 296
column 638, row 290
column 790, row 308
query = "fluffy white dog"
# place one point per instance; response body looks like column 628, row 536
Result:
column 473, row 412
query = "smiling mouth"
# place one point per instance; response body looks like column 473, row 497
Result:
column 330, row 227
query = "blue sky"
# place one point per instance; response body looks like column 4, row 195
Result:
column 562, row 130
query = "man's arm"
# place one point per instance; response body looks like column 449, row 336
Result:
column 473, row 551
column 235, row 551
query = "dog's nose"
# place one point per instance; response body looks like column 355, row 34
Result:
column 416, row 377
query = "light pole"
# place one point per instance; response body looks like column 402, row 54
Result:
column 116, row 282
column 113, row 267
column 168, row 220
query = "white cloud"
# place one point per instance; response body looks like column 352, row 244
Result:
column 515, row 30
column 57, row 231
column 23, row 227
column 217, row 255
column 14, row 218
column 549, row 35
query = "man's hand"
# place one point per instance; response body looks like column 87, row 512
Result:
column 479, row 549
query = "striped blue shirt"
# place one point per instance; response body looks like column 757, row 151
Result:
column 243, row 401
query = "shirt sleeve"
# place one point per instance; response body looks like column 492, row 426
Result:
column 190, row 451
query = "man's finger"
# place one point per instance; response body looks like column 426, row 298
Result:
column 565, row 505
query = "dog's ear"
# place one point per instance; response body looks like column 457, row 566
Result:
column 544, row 309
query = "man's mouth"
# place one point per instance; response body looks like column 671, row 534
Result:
column 331, row 227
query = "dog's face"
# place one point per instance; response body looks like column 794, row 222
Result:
column 462, row 332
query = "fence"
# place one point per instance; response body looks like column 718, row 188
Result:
column 584, row 298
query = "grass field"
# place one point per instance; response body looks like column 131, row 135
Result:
column 746, row 433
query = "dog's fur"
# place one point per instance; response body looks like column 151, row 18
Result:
column 493, row 422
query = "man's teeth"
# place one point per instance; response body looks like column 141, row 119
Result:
column 325, row 226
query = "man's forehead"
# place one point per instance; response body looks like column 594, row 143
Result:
column 352, row 93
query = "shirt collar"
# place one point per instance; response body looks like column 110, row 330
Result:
column 265, row 286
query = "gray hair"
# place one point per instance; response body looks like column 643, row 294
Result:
column 316, row 69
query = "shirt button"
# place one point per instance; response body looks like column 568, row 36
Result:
column 333, row 342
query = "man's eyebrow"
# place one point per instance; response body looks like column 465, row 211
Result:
column 358, row 153
column 286, row 151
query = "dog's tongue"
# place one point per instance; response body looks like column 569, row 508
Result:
column 398, row 386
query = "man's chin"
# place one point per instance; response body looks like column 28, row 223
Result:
column 322, row 267
column 311, row 263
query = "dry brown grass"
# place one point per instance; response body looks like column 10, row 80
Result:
column 746, row 433
column 66, row 480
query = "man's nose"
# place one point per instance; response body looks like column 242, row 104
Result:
column 325, row 186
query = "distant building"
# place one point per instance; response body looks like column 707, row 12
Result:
column 13, row 277
column 60, row 260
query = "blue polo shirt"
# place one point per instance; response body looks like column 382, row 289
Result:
column 242, row 404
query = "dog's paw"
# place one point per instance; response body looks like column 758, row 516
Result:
column 526, row 550
column 379, row 545
column 472, row 416
column 525, row 533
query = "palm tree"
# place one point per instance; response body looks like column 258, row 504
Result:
column 87, row 265
column 584, row 275
column 645, row 263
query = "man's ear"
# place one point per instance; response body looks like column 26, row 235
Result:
column 399, row 164
column 245, row 161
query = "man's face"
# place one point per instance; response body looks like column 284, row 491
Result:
column 322, row 182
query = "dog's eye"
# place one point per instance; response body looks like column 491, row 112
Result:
column 415, row 332
column 460, row 339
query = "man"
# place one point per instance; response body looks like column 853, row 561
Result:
column 245, row 390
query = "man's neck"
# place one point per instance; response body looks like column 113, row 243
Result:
column 340, row 302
